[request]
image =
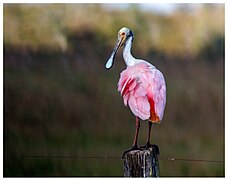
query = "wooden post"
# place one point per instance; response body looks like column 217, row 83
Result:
column 142, row 163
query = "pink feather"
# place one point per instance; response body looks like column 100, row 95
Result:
column 143, row 89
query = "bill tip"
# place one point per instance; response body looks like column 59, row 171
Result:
column 109, row 63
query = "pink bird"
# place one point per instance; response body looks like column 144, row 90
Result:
column 141, row 85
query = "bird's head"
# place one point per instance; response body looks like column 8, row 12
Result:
column 123, row 35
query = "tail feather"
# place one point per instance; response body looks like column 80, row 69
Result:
column 153, row 116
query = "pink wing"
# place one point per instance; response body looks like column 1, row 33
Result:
column 159, row 93
column 143, row 89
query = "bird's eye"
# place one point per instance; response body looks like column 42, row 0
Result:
column 123, row 33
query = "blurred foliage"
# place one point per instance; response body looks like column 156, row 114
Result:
column 59, row 99
column 182, row 33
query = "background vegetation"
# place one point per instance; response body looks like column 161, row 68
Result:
column 60, row 100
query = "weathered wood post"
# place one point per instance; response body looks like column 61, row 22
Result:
column 142, row 163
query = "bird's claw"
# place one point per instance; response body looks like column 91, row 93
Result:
column 132, row 149
column 148, row 146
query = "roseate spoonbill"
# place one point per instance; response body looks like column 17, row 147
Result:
column 141, row 85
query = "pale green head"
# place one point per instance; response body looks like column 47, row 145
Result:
column 123, row 35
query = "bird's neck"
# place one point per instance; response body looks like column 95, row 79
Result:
column 128, row 58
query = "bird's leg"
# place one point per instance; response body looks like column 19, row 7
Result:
column 149, row 130
column 137, row 125
column 148, row 145
column 135, row 146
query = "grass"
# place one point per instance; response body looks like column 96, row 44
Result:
column 79, row 112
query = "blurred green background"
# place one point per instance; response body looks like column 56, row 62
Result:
column 59, row 100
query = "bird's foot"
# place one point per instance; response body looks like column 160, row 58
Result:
column 132, row 149
column 147, row 146
column 152, row 146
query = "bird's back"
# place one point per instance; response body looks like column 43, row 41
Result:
column 144, row 91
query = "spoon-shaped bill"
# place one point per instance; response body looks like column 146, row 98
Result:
column 110, row 61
